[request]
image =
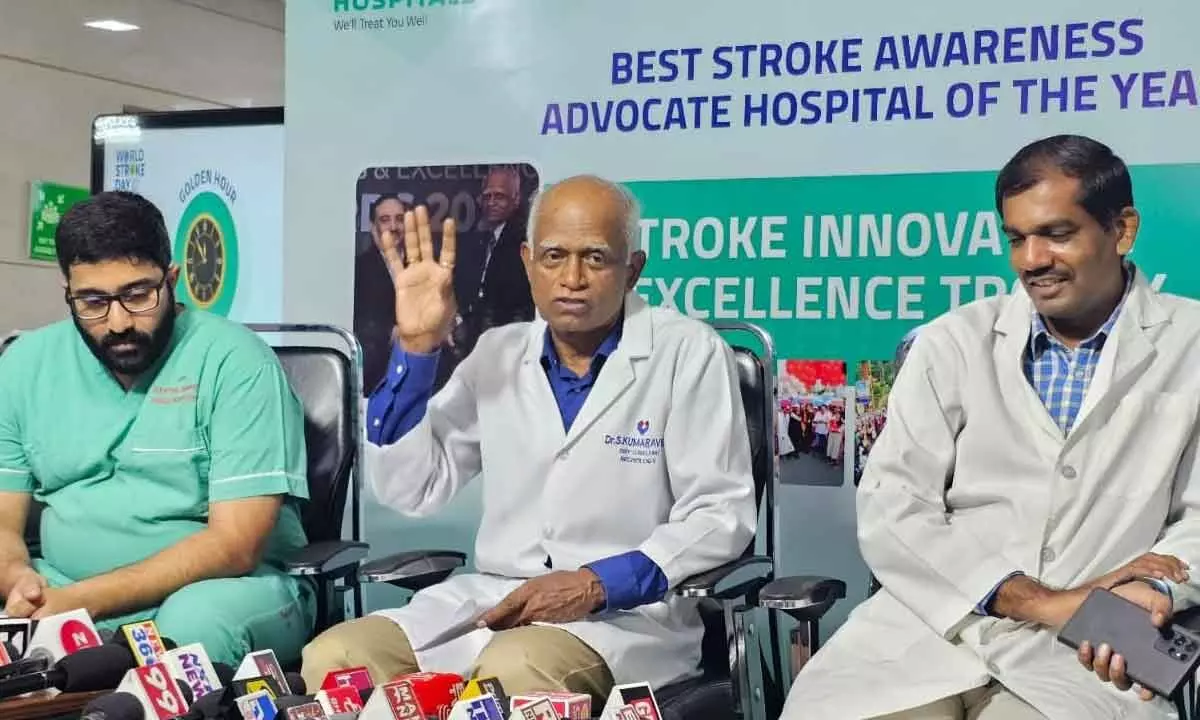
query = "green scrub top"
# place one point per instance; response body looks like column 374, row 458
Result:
column 126, row 474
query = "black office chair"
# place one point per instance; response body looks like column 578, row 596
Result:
column 328, row 383
column 726, row 594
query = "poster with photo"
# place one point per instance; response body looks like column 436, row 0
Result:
column 811, row 421
column 871, row 392
column 490, row 206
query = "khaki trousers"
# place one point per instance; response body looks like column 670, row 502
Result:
column 991, row 702
column 524, row 659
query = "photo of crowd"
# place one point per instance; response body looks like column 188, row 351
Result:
column 811, row 421
column 490, row 207
column 874, row 383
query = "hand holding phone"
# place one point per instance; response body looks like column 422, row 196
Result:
column 1158, row 659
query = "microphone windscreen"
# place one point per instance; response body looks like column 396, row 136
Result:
column 365, row 694
column 288, row 701
column 114, row 706
column 296, row 682
column 186, row 690
column 95, row 668
column 224, row 673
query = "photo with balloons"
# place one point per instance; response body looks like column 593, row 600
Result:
column 811, row 421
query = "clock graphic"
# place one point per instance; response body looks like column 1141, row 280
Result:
column 207, row 252
column 204, row 261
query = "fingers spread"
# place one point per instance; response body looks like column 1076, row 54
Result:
column 412, row 251
column 424, row 234
column 449, row 243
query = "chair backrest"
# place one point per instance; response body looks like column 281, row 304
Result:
column 754, row 380
column 322, row 380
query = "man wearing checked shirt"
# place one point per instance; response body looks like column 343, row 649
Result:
column 1038, row 446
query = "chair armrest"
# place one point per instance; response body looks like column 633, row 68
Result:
column 804, row 597
column 729, row 581
column 325, row 558
column 413, row 570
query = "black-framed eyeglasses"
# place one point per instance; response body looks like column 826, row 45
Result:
column 137, row 300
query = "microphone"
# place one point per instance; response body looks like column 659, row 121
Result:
column 358, row 677
column 480, row 707
column 62, row 634
column 114, row 706
column 416, row 695
column 565, row 704
column 340, row 700
column 98, row 668
column 295, row 681
column 638, row 697
column 264, row 664
column 38, row 661
column 541, row 709
column 216, row 704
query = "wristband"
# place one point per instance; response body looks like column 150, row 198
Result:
column 1161, row 586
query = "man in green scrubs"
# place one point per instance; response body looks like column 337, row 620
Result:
column 167, row 446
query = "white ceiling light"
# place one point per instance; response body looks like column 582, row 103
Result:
column 111, row 25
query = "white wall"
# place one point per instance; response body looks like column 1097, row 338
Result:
column 56, row 76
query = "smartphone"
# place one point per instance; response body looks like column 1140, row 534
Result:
column 1158, row 659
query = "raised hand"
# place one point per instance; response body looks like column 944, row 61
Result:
column 424, row 283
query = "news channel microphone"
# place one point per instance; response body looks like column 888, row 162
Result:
column 214, row 705
column 160, row 696
column 356, row 677
column 89, row 670
column 60, row 635
column 567, row 705
column 479, row 707
column 40, row 661
column 17, row 631
column 264, row 664
column 639, row 697
column 113, row 706
column 542, row 709
column 414, row 696
column 144, row 641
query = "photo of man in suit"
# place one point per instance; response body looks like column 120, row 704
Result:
column 491, row 286
column 373, row 311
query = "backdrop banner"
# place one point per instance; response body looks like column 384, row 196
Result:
column 824, row 170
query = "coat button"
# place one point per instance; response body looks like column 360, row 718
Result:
column 1068, row 472
column 1048, row 555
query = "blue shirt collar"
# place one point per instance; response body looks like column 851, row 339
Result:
column 551, row 362
column 1040, row 338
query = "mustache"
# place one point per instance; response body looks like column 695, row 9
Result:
column 131, row 336
column 1044, row 274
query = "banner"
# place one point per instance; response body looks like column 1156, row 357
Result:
column 822, row 170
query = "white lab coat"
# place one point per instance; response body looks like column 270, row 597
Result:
column 971, row 480
column 657, row 460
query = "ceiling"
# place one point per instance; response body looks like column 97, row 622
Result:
column 206, row 52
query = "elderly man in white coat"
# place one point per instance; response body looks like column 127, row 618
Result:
column 614, row 456
column 1037, row 446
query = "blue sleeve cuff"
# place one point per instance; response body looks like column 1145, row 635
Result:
column 985, row 606
column 629, row 580
column 398, row 403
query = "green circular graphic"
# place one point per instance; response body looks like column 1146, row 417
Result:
column 206, row 249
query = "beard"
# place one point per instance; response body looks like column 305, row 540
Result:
column 143, row 351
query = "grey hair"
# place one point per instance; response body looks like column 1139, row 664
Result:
column 631, row 212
